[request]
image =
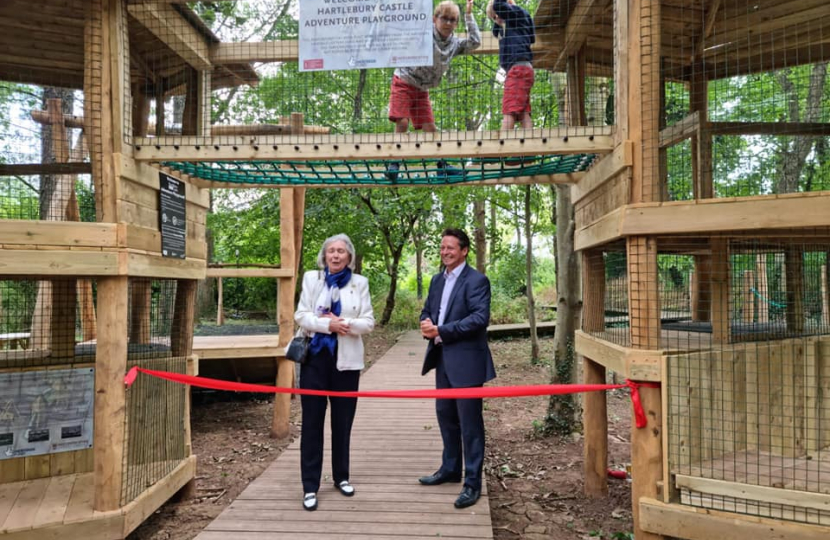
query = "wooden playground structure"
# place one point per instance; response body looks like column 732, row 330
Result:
column 738, row 434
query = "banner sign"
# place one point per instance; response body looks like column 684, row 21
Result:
column 43, row 412
column 172, row 216
column 360, row 34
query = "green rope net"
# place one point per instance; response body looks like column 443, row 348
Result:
column 412, row 172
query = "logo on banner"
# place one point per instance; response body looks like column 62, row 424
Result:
column 314, row 63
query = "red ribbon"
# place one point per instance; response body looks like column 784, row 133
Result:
column 447, row 393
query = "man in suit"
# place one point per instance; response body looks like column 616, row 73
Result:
column 454, row 320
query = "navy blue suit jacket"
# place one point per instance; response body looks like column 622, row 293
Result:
column 467, row 357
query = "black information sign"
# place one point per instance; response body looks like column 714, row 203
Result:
column 172, row 217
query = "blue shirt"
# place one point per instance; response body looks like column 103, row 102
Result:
column 516, row 36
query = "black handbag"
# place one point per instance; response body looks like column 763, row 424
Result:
column 298, row 349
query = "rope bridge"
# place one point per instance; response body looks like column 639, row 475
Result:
column 378, row 172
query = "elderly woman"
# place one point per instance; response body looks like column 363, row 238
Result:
column 336, row 310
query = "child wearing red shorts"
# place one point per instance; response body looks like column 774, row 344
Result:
column 513, row 27
column 410, row 85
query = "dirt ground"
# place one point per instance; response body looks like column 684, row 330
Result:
column 535, row 484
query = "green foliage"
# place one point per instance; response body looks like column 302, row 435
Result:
column 507, row 274
column 407, row 310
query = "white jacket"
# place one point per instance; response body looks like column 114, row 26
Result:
column 356, row 309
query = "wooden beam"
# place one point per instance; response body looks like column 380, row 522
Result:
column 602, row 171
column 606, row 229
column 58, row 233
column 69, row 120
column 168, row 25
column 708, row 25
column 31, row 262
column 580, row 23
column 680, row 131
column 465, row 144
column 144, row 265
column 676, row 520
column 31, row 169
column 802, row 129
column 638, row 364
column 748, row 492
column 715, row 215
column 249, row 272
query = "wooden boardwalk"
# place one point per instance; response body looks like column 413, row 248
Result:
column 393, row 443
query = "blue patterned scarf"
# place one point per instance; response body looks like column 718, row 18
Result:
column 334, row 282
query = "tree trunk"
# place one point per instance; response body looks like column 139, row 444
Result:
column 531, row 303
column 480, row 234
column 563, row 411
column 357, row 111
column 393, row 287
column 795, row 151
column 493, row 230
column 419, row 272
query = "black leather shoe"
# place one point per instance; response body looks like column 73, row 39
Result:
column 468, row 497
column 439, row 478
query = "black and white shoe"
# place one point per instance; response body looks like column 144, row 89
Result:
column 310, row 501
column 345, row 488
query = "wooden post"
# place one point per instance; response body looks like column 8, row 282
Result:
column 644, row 314
column 181, row 331
column 702, row 142
column 285, row 367
column 643, row 299
column 220, row 307
column 141, row 293
column 594, row 404
column 763, row 287
column 191, row 114
column 825, row 295
column 748, row 304
column 794, row 270
column 62, row 324
column 721, row 325
column 109, row 414
column 646, row 457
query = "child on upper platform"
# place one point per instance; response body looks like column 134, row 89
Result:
column 513, row 27
column 409, row 99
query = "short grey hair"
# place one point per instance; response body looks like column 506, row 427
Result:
column 321, row 257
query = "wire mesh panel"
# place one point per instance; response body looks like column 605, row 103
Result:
column 155, row 432
column 745, row 106
column 748, row 404
column 44, row 162
column 45, row 322
column 752, row 415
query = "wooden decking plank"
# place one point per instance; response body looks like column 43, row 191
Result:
column 359, row 515
column 8, row 494
column 26, row 506
column 387, row 458
column 211, row 535
column 404, row 529
column 391, row 503
column 55, row 501
column 80, row 502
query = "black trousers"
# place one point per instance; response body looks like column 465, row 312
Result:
column 320, row 373
column 462, row 431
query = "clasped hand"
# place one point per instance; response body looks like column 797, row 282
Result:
column 428, row 329
column 337, row 325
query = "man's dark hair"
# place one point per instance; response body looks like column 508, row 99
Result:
column 463, row 239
